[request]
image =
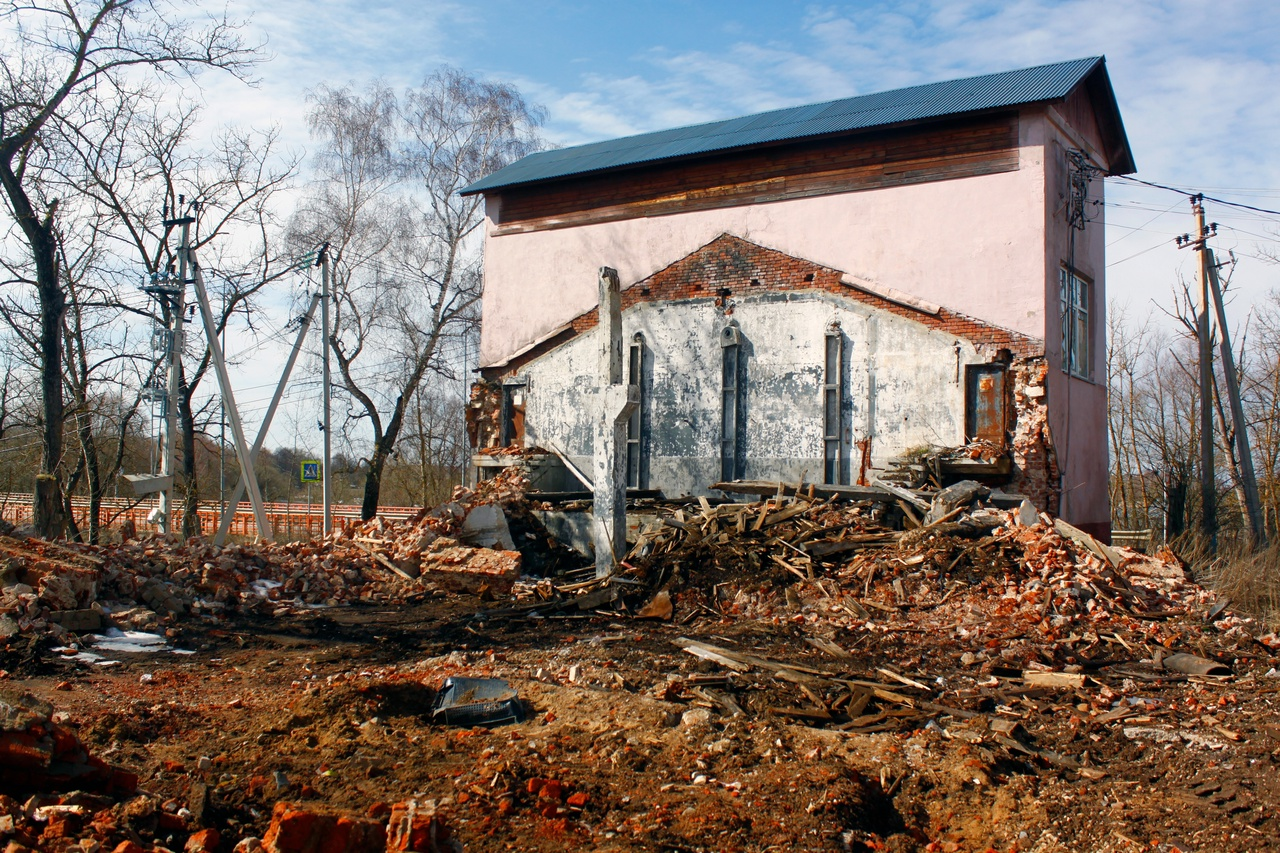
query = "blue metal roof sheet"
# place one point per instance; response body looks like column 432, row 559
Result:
column 862, row 112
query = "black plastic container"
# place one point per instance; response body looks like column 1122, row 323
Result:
column 477, row 702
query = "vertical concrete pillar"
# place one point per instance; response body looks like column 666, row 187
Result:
column 615, row 403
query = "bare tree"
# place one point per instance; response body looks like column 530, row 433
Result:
column 65, row 58
column 407, row 272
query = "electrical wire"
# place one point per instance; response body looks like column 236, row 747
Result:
column 1138, row 254
column 1189, row 193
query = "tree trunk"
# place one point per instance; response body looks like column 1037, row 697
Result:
column 92, row 473
column 1175, row 507
column 373, row 482
column 48, row 518
column 381, row 452
column 191, row 488
column 48, row 500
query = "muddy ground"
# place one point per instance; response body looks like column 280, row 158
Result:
column 331, row 709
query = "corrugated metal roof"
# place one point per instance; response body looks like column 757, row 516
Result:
column 916, row 103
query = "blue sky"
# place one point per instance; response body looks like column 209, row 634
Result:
column 1198, row 83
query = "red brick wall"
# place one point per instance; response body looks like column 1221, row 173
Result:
column 743, row 268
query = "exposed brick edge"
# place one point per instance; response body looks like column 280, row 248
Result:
column 731, row 266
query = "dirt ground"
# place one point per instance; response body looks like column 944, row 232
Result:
column 330, row 709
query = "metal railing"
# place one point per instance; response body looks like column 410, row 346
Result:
column 287, row 519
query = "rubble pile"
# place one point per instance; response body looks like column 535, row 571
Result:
column 55, row 796
column 792, row 673
column 143, row 584
column 976, row 596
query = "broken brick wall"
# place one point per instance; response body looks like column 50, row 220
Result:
column 1036, row 472
column 484, row 415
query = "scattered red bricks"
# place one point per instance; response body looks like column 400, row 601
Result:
column 39, row 754
column 297, row 830
column 59, row 585
column 416, row 827
column 204, row 841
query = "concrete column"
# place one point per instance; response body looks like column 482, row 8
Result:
column 615, row 403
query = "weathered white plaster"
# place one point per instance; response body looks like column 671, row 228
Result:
column 917, row 397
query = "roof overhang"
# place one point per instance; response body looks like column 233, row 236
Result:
column 916, row 105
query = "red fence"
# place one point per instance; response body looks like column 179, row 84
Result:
column 288, row 520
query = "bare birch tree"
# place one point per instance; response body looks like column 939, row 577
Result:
column 406, row 245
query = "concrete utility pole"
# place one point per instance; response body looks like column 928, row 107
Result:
column 229, row 513
column 617, row 402
column 325, row 489
column 169, row 434
column 247, row 474
column 1248, row 481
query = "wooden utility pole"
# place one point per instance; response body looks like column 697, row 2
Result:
column 1209, row 284
column 1208, row 486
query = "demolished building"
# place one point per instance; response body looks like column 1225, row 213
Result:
column 813, row 292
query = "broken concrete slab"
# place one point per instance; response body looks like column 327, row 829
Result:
column 486, row 527
column 955, row 496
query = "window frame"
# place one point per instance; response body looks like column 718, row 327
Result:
column 1076, row 313
column 637, row 471
column 834, row 451
column 732, row 375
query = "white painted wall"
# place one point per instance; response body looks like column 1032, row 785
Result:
column 914, row 399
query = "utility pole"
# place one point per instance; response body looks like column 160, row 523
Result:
column 247, row 474
column 229, row 512
column 1208, row 487
column 1248, row 481
column 169, row 435
column 325, row 490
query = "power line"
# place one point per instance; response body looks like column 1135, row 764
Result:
column 1236, row 204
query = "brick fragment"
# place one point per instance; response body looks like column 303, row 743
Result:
column 297, row 830
column 204, row 841
column 463, row 569
column 416, row 827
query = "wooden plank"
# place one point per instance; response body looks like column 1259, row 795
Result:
column 767, row 489
column 698, row 650
column 383, row 560
column 904, row 494
column 1036, row 678
column 829, row 647
column 1075, row 534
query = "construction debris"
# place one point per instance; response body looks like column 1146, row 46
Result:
column 821, row 668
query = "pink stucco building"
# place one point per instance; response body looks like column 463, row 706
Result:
column 816, row 290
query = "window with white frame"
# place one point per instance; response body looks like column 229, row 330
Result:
column 1075, row 306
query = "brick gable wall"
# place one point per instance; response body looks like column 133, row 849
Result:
column 730, row 266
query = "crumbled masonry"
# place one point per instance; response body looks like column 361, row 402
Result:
column 791, row 673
